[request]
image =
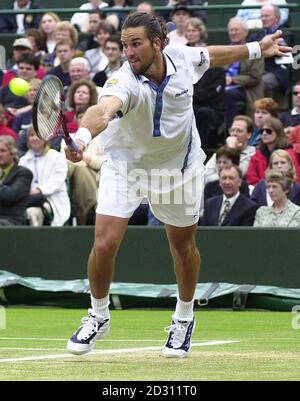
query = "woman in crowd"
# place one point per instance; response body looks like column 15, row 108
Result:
column 82, row 94
column 47, row 27
column 282, row 213
column 263, row 108
column 280, row 160
column 195, row 32
column 48, row 195
column 272, row 138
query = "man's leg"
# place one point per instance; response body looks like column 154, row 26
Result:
column 109, row 232
column 186, row 258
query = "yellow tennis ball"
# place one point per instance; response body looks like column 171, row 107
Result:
column 19, row 86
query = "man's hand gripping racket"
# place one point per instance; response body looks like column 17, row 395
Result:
column 48, row 113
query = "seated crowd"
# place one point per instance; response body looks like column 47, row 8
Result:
column 252, row 176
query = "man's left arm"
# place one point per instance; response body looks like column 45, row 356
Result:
column 269, row 46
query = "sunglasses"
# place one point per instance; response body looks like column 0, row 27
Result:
column 296, row 93
column 268, row 131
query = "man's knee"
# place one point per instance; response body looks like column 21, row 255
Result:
column 106, row 246
column 183, row 249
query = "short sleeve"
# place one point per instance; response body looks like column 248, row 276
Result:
column 197, row 56
column 124, row 86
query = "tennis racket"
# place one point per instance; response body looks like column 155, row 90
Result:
column 48, row 112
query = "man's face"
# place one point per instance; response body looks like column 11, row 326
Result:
column 239, row 131
column 236, row 32
column 22, row 3
column 26, row 71
column 180, row 17
column 64, row 53
column 259, row 116
column 112, row 51
column 138, row 49
column 77, row 71
column 18, row 51
column 268, row 17
column 230, row 181
column 6, row 158
column 94, row 20
column 296, row 96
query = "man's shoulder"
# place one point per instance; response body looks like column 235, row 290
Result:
column 247, row 202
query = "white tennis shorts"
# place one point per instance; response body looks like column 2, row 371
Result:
column 175, row 197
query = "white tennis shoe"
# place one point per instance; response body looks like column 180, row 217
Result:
column 179, row 340
column 91, row 330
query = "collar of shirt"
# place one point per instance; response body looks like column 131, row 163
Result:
column 170, row 67
column 231, row 200
column 294, row 112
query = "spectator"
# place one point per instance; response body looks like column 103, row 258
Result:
column 96, row 57
column 36, row 39
column 23, row 116
column 294, row 139
column 15, row 184
column 282, row 213
column 252, row 15
column 145, row 7
column 276, row 76
column 47, row 27
column 65, row 51
column 117, row 18
column 195, row 32
column 243, row 78
column 82, row 94
column 225, row 157
column 272, row 138
column 4, row 129
column 196, row 13
column 113, row 49
column 49, row 169
column 263, row 108
column 232, row 208
column 27, row 69
column 179, row 16
column 79, row 68
column 20, row 46
column 93, row 20
column 280, row 160
column 79, row 19
column 291, row 118
column 64, row 30
column 239, row 135
column 18, row 23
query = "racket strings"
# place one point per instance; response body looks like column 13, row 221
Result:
column 49, row 111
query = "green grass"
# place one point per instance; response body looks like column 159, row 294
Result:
column 267, row 347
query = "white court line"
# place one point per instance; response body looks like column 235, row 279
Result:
column 106, row 352
column 102, row 340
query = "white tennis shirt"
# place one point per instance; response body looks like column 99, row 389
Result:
column 157, row 127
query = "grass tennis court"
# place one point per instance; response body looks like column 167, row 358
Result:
column 247, row 346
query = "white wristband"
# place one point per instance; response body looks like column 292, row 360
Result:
column 84, row 135
column 254, row 50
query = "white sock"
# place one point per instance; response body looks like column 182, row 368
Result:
column 184, row 310
column 100, row 307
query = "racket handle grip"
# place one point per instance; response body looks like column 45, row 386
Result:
column 71, row 144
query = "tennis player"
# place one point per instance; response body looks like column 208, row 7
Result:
column 148, row 132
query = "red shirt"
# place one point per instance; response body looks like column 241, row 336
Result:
column 4, row 130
